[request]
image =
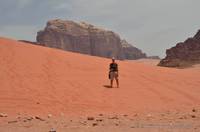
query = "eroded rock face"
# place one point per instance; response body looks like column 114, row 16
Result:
column 154, row 57
column 183, row 54
column 29, row 42
column 82, row 38
column 131, row 52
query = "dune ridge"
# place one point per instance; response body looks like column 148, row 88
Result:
column 41, row 80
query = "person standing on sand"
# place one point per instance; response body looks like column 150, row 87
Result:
column 113, row 73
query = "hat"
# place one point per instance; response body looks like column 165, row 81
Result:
column 113, row 58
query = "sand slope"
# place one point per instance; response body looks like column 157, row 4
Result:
column 41, row 80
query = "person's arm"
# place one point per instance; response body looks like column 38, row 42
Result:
column 110, row 68
column 117, row 69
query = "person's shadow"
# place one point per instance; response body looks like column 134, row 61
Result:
column 107, row 86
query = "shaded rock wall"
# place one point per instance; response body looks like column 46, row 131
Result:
column 87, row 39
column 183, row 54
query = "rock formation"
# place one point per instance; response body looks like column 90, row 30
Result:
column 29, row 42
column 153, row 57
column 183, row 54
column 131, row 52
column 87, row 39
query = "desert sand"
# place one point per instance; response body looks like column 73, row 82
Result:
column 70, row 87
column 152, row 62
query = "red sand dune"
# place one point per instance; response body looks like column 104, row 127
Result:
column 40, row 80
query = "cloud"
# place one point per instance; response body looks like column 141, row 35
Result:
column 23, row 3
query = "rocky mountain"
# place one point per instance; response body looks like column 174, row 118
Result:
column 29, row 42
column 131, row 52
column 87, row 39
column 183, row 54
column 154, row 57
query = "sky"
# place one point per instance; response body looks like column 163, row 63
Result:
column 151, row 25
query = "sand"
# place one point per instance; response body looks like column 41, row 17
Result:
column 152, row 62
column 36, row 80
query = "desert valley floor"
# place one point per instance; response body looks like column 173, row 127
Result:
column 43, row 88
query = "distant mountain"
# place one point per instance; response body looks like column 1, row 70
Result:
column 87, row 39
column 154, row 57
column 183, row 54
column 29, row 42
column 131, row 52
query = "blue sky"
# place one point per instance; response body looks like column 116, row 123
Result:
column 151, row 25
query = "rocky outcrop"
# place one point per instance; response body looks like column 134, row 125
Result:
column 153, row 57
column 85, row 38
column 131, row 52
column 183, row 54
column 29, row 42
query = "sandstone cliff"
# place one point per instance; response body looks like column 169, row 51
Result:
column 183, row 54
column 85, row 38
column 131, row 52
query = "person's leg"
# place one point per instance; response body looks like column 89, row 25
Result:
column 117, row 81
column 111, row 83
column 116, row 78
column 111, row 79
